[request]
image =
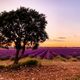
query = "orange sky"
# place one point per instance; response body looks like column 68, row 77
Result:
column 60, row 44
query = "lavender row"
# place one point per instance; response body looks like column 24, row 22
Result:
column 48, row 53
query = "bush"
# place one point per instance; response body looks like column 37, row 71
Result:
column 59, row 58
column 31, row 63
column 73, row 59
column 2, row 66
column 14, row 66
column 78, row 57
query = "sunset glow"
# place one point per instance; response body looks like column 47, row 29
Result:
column 60, row 44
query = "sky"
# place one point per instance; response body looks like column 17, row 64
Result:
column 63, row 17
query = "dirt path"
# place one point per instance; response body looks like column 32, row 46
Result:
column 56, row 71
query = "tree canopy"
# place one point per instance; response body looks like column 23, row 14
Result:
column 23, row 26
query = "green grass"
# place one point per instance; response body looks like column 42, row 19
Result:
column 59, row 58
column 28, row 61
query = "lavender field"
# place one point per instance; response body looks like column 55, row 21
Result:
column 44, row 52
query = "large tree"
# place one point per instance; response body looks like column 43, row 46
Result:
column 25, row 27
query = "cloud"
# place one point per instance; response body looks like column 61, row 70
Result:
column 58, row 40
column 61, row 37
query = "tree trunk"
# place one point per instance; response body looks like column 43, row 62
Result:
column 16, row 57
column 18, row 48
column 23, row 50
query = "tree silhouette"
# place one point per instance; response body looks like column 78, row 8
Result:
column 25, row 27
